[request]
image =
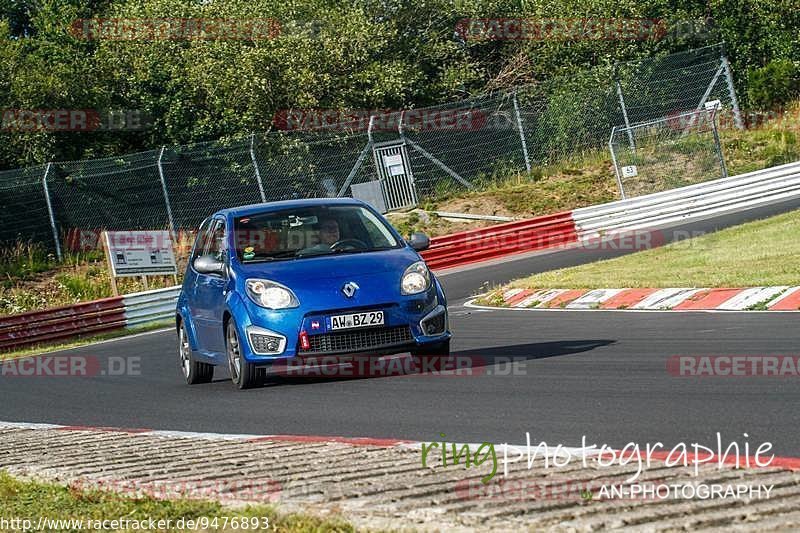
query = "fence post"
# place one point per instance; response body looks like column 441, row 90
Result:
column 369, row 128
column 737, row 114
column 359, row 161
column 50, row 211
column 624, row 108
column 718, row 145
column 400, row 128
column 255, row 167
column 614, row 160
column 166, row 196
column 522, row 135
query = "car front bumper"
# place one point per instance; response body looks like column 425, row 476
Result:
column 408, row 324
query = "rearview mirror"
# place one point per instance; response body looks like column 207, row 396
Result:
column 419, row 241
column 208, row 264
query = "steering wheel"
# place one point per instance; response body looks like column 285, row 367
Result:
column 346, row 244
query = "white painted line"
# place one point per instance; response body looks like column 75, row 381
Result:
column 27, row 425
column 750, row 297
column 666, row 298
column 203, row 436
column 592, row 299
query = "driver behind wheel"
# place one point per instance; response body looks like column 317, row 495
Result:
column 328, row 231
column 325, row 235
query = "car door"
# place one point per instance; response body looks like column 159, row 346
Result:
column 209, row 293
column 190, row 281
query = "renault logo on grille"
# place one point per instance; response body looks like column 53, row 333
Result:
column 349, row 289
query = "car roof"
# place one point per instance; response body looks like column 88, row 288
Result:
column 253, row 209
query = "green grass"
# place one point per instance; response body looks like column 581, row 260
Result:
column 24, row 260
column 746, row 151
column 43, row 348
column 32, row 499
column 585, row 179
column 33, row 279
column 758, row 253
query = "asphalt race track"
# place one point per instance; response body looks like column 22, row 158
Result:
column 598, row 374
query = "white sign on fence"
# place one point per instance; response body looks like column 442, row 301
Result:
column 394, row 164
column 137, row 253
column 630, row 171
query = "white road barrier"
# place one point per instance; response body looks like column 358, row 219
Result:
column 694, row 202
column 150, row 306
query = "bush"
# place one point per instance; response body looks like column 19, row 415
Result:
column 774, row 85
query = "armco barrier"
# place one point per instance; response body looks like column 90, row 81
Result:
column 132, row 310
column 693, row 202
column 499, row 240
column 62, row 323
column 150, row 306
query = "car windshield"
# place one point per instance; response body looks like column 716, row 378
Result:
column 310, row 232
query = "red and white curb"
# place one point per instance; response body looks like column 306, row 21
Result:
column 780, row 298
column 788, row 463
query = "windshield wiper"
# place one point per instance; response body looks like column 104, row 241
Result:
column 313, row 254
column 361, row 250
column 280, row 256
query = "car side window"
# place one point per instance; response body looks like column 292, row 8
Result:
column 201, row 242
column 216, row 243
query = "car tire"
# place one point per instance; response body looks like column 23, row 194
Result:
column 244, row 375
column 194, row 372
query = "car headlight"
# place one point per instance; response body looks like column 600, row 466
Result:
column 270, row 294
column 416, row 279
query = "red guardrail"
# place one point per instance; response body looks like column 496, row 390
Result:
column 499, row 240
column 446, row 251
column 45, row 326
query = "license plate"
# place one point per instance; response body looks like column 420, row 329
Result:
column 357, row 320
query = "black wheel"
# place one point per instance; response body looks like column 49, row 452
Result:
column 194, row 372
column 243, row 374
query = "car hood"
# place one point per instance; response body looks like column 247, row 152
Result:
column 317, row 281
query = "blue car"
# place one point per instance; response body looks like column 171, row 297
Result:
column 287, row 281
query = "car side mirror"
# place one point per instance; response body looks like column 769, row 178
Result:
column 419, row 241
column 208, row 264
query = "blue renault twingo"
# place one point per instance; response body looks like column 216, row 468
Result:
column 284, row 281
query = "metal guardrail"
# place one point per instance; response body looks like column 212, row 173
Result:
column 500, row 240
column 694, row 202
column 88, row 318
column 36, row 327
column 150, row 306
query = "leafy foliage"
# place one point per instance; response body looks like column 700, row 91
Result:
column 328, row 54
column 774, row 85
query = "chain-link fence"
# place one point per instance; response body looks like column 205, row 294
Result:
column 667, row 153
column 408, row 155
